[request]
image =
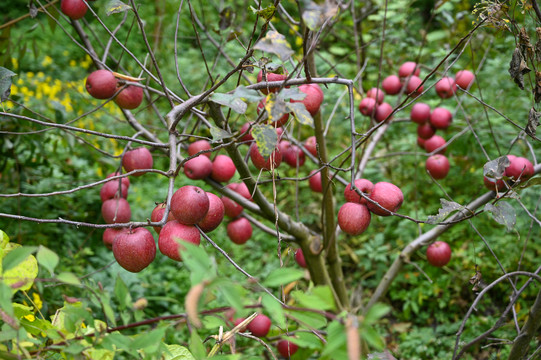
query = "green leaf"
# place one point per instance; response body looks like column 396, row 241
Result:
column 315, row 15
column 196, row 346
column 266, row 139
column 336, row 340
column 5, row 83
column 375, row 313
column 274, row 308
column 150, row 340
column 5, row 300
column 503, row 213
column 320, row 298
column 275, row 43
column 531, row 182
column 4, row 239
column 447, row 207
column 301, row 114
column 122, row 294
column 177, row 352
column 68, row 278
column 47, row 258
column 372, row 337
column 266, row 13
column 310, row 319
column 198, row 262
column 495, row 168
column 231, row 101
column 249, row 95
column 305, row 340
column 233, row 293
column 281, row 276
column 21, row 276
column 118, row 341
column 219, row 134
column 116, row 6
column 16, row 256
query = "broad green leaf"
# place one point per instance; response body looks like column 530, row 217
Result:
column 495, row 168
column 531, row 182
column 219, row 134
column 231, row 101
column 275, row 108
column 316, row 299
column 233, row 293
column 325, row 294
column 275, row 43
column 74, row 348
column 292, row 94
column 198, row 262
column 196, row 346
column 447, row 207
column 47, row 258
column 372, row 337
column 375, row 313
column 4, row 239
column 305, row 340
column 336, row 340
column 118, row 341
column 116, row 6
column 107, row 309
column 249, row 95
column 301, row 114
column 281, row 276
column 5, row 83
column 68, row 278
column 503, row 213
column 122, row 294
column 177, row 352
column 275, row 310
column 5, row 300
column 266, row 13
column 266, row 139
column 310, row 319
column 16, row 255
column 150, row 340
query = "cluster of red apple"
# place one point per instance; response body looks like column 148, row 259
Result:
column 103, row 84
column 428, row 120
column 519, row 168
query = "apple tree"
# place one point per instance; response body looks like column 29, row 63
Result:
column 312, row 179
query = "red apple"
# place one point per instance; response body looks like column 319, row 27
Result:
column 437, row 166
column 232, row 208
column 223, row 168
column 286, row 348
column 520, row 167
column 299, row 258
column 214, row 216
column 425, row 131
column 492, row 184
column 110, row 189
column 314, row 97
column 198, row 167
column 260, row 325
column 265, row 163
column 392, row 85
column 420, row 113
column 464, row 79
column 441, row 118
column 388, row 196
column 101, row 84
column 368, row 106
column 409, row 68
column 315, row 181
column 446, row 87
column 435, row 142
column 270, row 77
column 110, row 234
column 130, row 97
column 311, row 145
column 364, row 186
column 421, row 142
column 413, row 83
column 134, row 249
column 74, row 9
column 189, row 204
column 125, row 179
column 438, row 254
column 199, row 145
column 353, row 218
column 157, row 215
column 376, row 94
column 293, row 155
column 116, row 210
column 172, row 235
column 239, row 230
column 383, row 111
column 137, row 159
column 248, row 136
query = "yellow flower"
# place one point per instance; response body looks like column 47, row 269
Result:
column 15, row 63
column 37, row 300
column 30, row 317
column 47, row 60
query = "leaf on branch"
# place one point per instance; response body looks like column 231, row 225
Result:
column 177, row 352
column 315, row 15
column 292, row 94
column 266, row 138
column 447, row 207
column 116, row 6
column 275, row 43
column 495, row 168
column 231, row 101
column 226, row 17
column 531, row 182
column 301, row 114
column 219, row 134
column 275, row 108
column 5, row 83
column 249, row 95
column 266, row 13
column 533, row 120
column 518, row 68
column 503, row 213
